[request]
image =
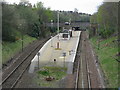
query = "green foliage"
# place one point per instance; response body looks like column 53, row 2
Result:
column 106, row 33
column 9, row 20
column 25, row 19
column 56, row 72
column 73, row 16
column 106, row 17
column 10, row 48
column 107, row 58
column 45, row 73
column 93, row 18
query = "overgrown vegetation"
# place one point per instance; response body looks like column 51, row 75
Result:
column 24, row 19
column 104, row 36
column 108, row 57
column 11, row 48
column 57, row 73
column 104, row 22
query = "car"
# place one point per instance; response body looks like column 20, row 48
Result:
column 67, row 23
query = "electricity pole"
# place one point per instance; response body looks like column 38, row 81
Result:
column 58, row 22
column 21, row 26
column 98, row 37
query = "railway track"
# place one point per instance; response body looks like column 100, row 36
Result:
column 13, row 74
column 83, row 79
column 88, row 73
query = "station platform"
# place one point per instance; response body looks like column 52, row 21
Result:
column 57, row 52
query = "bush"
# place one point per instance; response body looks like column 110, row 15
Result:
column 106, row 33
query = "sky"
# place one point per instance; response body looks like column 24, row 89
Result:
column 84, row 6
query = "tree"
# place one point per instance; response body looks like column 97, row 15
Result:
column 9, row 22
column 76, row 10
column 107, row 18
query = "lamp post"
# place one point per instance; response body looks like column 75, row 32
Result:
column 38, row 54
column 51, row 42
column 51, row 32
column 51, row 26
column 22, row 41
column 98, row 37
column 70, row 21
column 64, row 55
column 51, row 23
column 58, row 22
column 21, row 36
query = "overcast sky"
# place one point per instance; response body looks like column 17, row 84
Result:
column 85, row 6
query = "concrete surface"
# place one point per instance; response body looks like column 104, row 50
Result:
column 49, row 52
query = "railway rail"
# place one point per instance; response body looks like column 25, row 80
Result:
column 13, row 74
column 88, row 74
column 83, row 79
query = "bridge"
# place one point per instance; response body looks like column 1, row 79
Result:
column 73, row 25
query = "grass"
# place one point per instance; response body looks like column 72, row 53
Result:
column 56, row 72
column 107, row 55
column 10, row 48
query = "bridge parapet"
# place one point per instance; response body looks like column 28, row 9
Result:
column 76, row 24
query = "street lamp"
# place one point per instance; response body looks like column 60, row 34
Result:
column 51, row 32
column 51, row 41
column 51, row 23
column 58, row 22
column 21, row 35
column 64, row 55
column 51, row 26
column 70, row 21
column 98, row 37
column 38, row 54
column 22, row 41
